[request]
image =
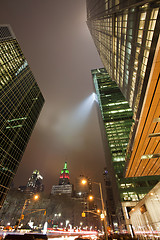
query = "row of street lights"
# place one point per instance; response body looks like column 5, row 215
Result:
column 103, row 215
column 84, row 182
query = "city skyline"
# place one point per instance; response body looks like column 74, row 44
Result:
column 60, row 51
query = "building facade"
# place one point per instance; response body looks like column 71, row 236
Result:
column 145, row 216
column 143, row 158
column 125, row 34
column 117, row 120
column 20, row 104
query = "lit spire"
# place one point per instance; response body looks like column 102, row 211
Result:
column 65, row 170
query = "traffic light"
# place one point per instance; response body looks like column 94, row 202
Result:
column 44, row 212
column 22, row 217
column 83, row 214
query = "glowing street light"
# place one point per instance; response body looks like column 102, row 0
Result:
column 98, row 211
column 90, row 197
column 36, row 197
column 84, row 181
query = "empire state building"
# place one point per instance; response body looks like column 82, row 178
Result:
column 64, row 186
column 64, row 176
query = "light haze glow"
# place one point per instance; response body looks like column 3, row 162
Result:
column 71, row 124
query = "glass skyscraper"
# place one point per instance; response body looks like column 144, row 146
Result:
column 125, row 34
column 118, row 118
column 20, row 104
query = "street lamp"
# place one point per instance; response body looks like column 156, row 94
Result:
column 35, row 197
column 98, row 210
column 84, row 181
column 90, row 197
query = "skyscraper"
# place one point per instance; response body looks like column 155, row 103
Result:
column 117, row 120
column 35, row 182
column 143, row 157
column 125, row 34
column 64, row 176
column 20, row 104
column 64, row 186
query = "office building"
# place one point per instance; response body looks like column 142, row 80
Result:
column 126, row 34
column 64, row 178
column 144, row 159
column 145, row 216
column 35, row 182
column 117, row 121
column 20, row 104
column 110, row 202
column 34, row 185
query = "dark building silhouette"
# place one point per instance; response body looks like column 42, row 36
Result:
column 20, row 104
column 83, row 190
column 110, row 202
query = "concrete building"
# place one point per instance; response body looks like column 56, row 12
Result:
column 20, row 104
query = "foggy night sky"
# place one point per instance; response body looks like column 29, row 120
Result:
column 56, row 42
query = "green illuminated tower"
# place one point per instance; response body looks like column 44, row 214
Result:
column 20, row 104
column 117, row 121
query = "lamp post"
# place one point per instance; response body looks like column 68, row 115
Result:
column 84, row 181
column 36, row 197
